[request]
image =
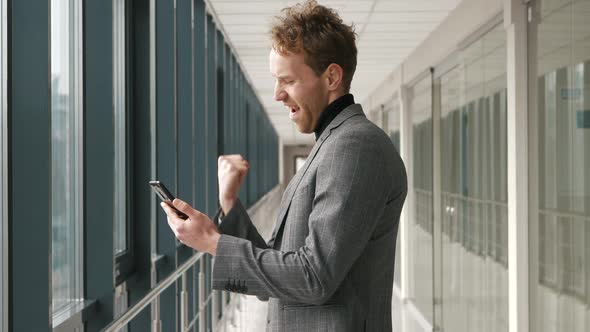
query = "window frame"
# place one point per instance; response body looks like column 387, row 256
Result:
column 120, row 115
column 3, row 170
column 79, row 118
column 124, row 260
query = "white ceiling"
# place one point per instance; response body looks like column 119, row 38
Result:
column 388, row 31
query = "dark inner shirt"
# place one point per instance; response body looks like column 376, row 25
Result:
column 331, row 111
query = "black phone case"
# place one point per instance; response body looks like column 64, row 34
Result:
column 160, row 189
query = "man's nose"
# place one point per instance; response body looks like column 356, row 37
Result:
column 279, row 94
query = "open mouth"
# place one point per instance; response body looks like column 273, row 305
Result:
column 293, row 111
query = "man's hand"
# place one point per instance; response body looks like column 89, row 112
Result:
column 197, row 232
column 231, row 170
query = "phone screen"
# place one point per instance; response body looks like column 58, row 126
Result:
column 165, row 195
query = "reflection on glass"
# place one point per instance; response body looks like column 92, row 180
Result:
column 420, row 231
column 64, row 156
column 391, row 120
column 394, row 124
column 474, row 192
column 563, row 77
column 119, row 86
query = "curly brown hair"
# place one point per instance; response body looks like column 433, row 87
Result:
column 320, row 34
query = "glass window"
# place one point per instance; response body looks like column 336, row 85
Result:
column 120, row 101
column 66, row 145
column 562, row 207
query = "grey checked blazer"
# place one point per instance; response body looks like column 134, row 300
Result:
column 329, row 263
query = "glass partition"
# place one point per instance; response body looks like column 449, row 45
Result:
column 420, row 228
column 66, row 146
column 562, row 210
column 391, row 126
column 474, row 188
column 391, row 120
column 387, row 116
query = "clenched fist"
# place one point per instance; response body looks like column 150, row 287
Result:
column 231, row 170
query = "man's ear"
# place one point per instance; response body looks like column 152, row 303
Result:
column 334, row 76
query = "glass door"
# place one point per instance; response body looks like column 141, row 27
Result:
column 473, row 188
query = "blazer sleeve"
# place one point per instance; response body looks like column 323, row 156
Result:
column 237, row 223
column 352, row 188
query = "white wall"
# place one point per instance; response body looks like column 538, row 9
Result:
column 465, row 20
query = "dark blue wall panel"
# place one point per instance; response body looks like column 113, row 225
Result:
column 98, row 161
column 211, row 128
column 166, row 148
column 200, row 100
column 139, row 284
column 29, row 197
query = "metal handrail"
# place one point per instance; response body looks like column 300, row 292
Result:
column 128, row 315
column 474, row 200
column 190, row 324
column 153, row 297
column 564, row 214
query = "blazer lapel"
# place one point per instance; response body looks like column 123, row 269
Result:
column 348, row 112
column 293, row 185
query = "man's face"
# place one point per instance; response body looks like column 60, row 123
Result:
column 297, row 86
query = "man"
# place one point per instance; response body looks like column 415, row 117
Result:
column 329, row 263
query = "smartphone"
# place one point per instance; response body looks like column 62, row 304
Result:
column 165, row 195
